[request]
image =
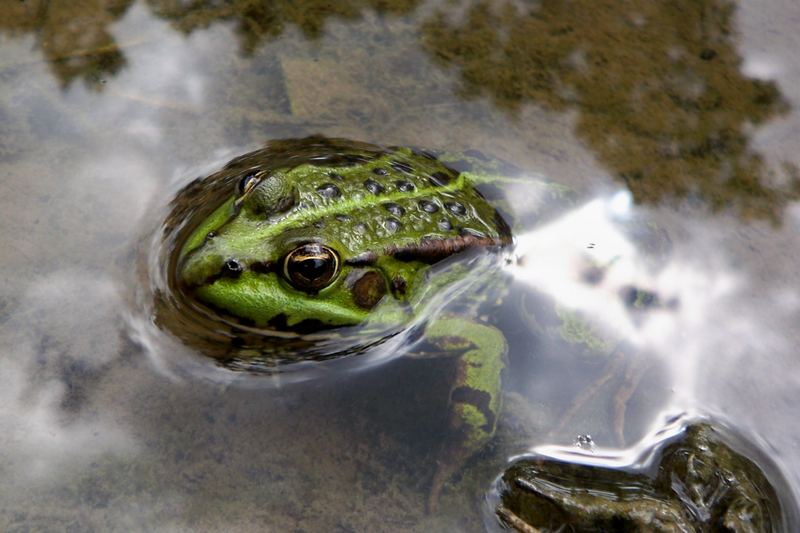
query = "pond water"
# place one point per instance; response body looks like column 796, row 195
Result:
column 666, row 285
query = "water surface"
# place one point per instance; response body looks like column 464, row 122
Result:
column 679, row 118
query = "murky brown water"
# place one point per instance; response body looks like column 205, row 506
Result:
column 676, row 117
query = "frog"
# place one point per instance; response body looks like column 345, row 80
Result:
column 340, row 234
column 701, row 477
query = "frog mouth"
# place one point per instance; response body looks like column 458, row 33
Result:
column 432, row 250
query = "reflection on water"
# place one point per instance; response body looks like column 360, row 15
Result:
column 74, row 37
column 256, row 22
column 657, row 88
column 625, row 303
column 75, row 40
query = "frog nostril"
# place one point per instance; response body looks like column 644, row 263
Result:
column 232, row 269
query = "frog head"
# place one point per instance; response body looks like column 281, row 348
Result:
column 252, row 261
column 321, row 246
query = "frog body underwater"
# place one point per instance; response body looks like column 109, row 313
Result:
column 346, row 234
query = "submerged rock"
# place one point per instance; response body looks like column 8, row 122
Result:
column 697, row 484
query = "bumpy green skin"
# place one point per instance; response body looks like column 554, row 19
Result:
column 388, row 218
column 359, row 220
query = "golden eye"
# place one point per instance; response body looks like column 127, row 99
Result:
column 311, row 267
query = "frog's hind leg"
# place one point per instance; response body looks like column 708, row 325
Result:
column 475, row 395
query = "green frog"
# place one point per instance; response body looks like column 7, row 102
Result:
column 695, row 479
column 319, row 236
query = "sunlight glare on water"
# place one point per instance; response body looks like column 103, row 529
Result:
column 557, row 258
column 39, row 444
column 710, row 323
column 674, row 121
column 638, row 456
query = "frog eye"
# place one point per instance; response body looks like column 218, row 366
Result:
column 265, row 193
column 311, row 267
column 248, row 183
